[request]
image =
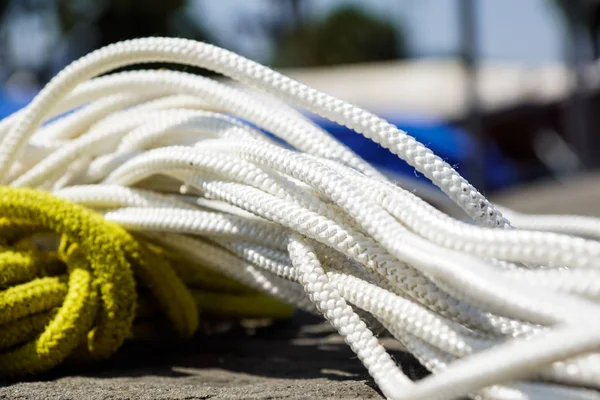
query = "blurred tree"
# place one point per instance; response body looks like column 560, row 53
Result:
column 75, row 27
column 347, row 35
column 125, row 19
column 104, row 22
column 80, row 26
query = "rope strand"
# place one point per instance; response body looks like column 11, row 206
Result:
column 218, row 212
column 83, row 296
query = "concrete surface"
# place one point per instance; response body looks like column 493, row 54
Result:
column 300, row 359
column 572, row 195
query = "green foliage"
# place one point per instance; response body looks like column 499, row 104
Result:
column 117, row 20
column 127, row 19
column 348, row 35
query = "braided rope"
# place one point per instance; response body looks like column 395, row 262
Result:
column 177, row 160
column 82, row 297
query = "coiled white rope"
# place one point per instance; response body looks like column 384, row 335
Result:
column 181, row 159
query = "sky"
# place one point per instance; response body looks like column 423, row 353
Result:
column 528, row 31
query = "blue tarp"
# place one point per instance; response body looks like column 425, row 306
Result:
column 453, row 145
column 10, row 104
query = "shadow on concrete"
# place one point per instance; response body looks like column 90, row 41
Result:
column 304, row 348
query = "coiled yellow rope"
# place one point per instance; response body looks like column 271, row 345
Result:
column 80, row 298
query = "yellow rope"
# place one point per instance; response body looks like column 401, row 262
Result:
column 78, row 297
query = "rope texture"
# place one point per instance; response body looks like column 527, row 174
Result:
column 182, row 163
column 81, row 299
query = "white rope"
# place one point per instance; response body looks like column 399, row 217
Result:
column 181, row 159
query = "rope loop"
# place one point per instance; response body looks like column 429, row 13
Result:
column 220, row 214
column 84, row 294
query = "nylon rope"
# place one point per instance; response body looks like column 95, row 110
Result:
column 80, row 299
column 494, row 309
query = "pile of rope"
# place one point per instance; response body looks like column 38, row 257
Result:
column 183, row 164
column 74, row 283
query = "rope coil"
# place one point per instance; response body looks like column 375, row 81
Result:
column 178, row 161
column 82, row 298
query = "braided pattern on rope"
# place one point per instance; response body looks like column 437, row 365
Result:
column 180, row 161
column 81, row 298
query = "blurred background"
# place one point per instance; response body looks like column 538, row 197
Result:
column 507, row 91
